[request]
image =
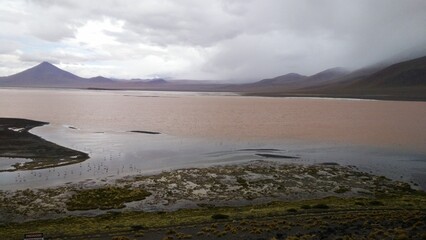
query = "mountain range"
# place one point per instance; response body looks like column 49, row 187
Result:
column 47, row 75
column 403, row 80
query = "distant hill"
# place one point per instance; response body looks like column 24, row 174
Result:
column 325, row 77
column 49, row 76
column 290, row 82
column 100, row 79
column 410, row 73
column 287, row 79
column 42, row 75
column 400, row 81
column 403, row 80
column 157, row 81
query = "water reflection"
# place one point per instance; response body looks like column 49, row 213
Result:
column 119, row 154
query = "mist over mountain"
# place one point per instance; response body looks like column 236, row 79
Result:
column 327, row 76
column 410, row 73
column 400, row 81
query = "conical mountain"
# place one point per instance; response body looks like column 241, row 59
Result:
column 42, row 75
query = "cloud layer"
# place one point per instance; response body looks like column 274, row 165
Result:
column 237, row 40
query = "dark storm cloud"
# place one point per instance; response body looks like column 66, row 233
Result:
column 245, row 39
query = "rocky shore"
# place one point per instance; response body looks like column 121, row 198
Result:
column 229, row 185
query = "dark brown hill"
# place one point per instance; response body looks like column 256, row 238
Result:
column 400, row 81
column 410, row 73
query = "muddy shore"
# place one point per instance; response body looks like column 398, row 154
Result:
column 16, row 142
column 249, row 201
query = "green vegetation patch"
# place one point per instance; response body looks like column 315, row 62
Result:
column 341, row 211
column 220, row 216
column 321, row 206
column 105, row 198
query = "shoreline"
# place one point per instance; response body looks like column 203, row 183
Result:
column 376, row 97
column 236, row 185
column 361, row 96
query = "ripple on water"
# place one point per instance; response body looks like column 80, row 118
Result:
column 119, row 154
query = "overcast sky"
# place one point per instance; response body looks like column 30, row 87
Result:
column 210, row 39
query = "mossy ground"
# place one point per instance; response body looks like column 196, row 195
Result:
column 104, row 198
column 233, row 185
column 409, row 210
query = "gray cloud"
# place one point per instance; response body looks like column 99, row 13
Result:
column 240, row 39
column 7, row 46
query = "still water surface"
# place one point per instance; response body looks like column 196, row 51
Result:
column 202, row 129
